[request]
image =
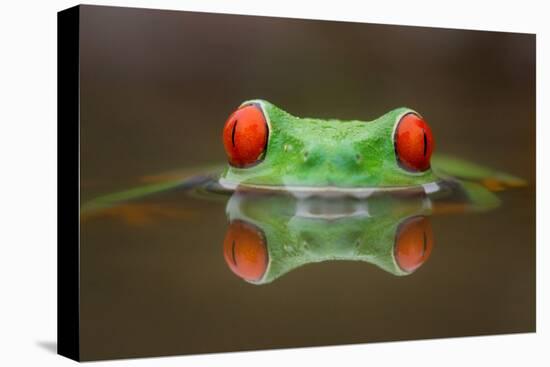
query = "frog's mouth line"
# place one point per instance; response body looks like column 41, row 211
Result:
column 360, row 192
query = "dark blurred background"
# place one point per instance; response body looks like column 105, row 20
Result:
column 157, row 86
column 156, row 89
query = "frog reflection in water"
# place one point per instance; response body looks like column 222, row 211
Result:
column 386, row 161
column 269, row 235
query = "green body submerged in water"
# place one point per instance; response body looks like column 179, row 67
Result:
column 307, row 190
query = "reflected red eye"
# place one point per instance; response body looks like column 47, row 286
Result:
column 414, row 143
column 413, row 243
column 245, row 136
column 245, row 250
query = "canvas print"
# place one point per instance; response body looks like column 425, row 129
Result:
column 240, row 183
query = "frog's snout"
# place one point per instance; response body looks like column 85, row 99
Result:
column 329, row 160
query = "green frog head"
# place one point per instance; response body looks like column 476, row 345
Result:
column 268, row 147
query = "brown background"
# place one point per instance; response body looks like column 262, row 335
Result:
column 156, row 88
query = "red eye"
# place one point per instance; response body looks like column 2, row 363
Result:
column 414, row 143
column 245, row 250
column 413, row 243
column 245, row 136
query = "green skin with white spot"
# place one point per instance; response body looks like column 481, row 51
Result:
column 307, row 152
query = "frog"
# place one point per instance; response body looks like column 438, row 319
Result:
column 268, row 149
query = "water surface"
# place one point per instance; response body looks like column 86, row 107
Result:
column 156, row 88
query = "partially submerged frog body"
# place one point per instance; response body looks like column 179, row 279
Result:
column 269, row 149
column 270, row 235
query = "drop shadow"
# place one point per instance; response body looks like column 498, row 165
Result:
column 50, row 346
